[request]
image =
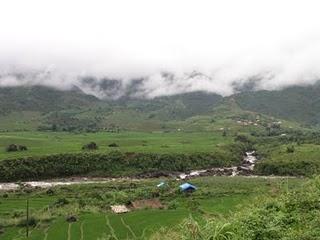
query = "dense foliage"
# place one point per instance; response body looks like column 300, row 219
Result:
column 114, row 164
column 285, row 167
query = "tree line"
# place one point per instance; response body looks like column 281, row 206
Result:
column 114, row 164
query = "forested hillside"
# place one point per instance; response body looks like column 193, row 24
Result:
column 300, row 104
column 44, row 108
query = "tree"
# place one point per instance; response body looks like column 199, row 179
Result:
column 22, row 148
column 12, row 148
column 15, row 148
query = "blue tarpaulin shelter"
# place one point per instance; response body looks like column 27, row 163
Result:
column 187, row 187
column 162, row 184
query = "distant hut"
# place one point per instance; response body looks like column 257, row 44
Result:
column 187, row 187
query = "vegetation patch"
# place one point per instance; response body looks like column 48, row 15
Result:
column 298, row 160
column 16, row 148
column 114, row 164
column 293, row 215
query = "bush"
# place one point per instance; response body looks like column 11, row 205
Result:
column 12, row 148
column 90, row 146
column 71, row 219
column 22, row 148
column 15, row 148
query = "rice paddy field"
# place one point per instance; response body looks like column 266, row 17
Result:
column 46, row 143
column 216, row 197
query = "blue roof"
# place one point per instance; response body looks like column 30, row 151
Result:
column 187, row 186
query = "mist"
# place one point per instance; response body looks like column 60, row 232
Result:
column 155, row 48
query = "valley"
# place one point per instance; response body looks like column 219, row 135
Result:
column 77, row 160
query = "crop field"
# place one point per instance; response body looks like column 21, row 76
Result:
column 217, row 197
column 46, row 143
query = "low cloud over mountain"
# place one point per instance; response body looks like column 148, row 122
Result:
column 147, row 49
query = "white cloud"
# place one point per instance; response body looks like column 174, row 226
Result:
column 227, row 40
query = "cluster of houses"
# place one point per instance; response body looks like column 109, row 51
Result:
column 257, row 121
column 247, row 122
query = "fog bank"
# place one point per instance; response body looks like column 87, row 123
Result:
column 155, row 48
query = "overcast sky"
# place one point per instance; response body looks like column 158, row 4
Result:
column 227, row 40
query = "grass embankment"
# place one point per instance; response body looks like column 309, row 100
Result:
column 301, row 160
column 216, row 197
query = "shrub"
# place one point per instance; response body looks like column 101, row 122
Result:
column 90, row 146
column 71, row 219
column 12, row 148
column 15, row 148
column 22, row 148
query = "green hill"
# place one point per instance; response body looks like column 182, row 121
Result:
column 44, row 108
column 300, row 104
column 42, row 99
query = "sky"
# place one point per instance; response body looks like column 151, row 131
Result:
column 56, row 43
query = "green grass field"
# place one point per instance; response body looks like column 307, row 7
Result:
column 43, row 143
column 216, row 197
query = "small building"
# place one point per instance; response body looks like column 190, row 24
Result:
column 187, row 187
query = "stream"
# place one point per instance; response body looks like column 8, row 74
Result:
column 245, row 169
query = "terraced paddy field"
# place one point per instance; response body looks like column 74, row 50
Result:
column 216, row 197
